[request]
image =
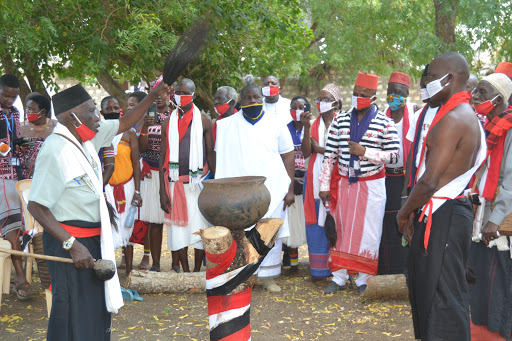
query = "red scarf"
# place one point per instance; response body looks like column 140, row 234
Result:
column 457, row 99
column 309, row 198
column 496, row 135
column 178, row 212
column 406, row 144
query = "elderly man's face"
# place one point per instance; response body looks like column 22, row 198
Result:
column 88, row 115
column 484, row 91
column 398, row 89
column 221, row 97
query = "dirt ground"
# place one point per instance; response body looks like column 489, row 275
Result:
column 300, row 312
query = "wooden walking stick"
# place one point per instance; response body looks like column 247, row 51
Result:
column 104, row 269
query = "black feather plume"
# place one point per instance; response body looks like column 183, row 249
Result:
column 112, row 215
column 186, row 49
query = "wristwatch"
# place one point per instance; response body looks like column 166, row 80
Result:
column 67, row 244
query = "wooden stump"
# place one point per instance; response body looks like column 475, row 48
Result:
column 149, row 282
column 386, row 287
column 269, row 231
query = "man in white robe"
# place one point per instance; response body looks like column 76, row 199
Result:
column 250, row 143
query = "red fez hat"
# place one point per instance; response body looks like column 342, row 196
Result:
column 367, row 80
column 399, row 77
column 505, row 68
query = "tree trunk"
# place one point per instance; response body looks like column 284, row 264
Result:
column 34, row 78
column 446, row 15
column 149, row 282
column 112, row 87
column 386, row 287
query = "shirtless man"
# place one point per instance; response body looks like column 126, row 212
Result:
column 449, row 153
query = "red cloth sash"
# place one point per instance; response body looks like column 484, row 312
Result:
column 379, row 175
column 119, row 196
column 146, row 169
column 81, row 232
column 223, row 260
column 457, row 99
column 309, row 197
column 406, row 144
column 497, row 133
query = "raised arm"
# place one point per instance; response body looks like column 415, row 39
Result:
column 135, row 115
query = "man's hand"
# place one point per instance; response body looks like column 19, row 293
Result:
column 137, row 198
column 325, row 195
column 356, row 149
column 489, row 232
column 289, row 199
column 305, row 119
column 405, row 224
column 165, row 203
column 298, row 186
column 81, row 256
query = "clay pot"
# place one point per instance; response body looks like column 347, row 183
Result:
column 235, row 203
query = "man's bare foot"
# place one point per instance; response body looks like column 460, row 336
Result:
column 23, row 291
column 144, row 263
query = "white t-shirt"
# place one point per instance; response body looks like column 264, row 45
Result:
column 279, row 109
column 244, row 149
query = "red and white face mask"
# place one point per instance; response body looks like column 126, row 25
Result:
column 361, row 102
column 85, row 133
column 270, row 90
column 324, row 106
column 221, row 109
column 32, row 117
column 296, row 114
column 486, row 107
column 183, row 100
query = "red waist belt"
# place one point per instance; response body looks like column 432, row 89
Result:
column 379, row 175
column 428, row 209
column 81, row 232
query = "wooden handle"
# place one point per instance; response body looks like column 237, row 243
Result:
column 37, row 256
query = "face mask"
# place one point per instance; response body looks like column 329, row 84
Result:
column 253, row 112
column 112, row 116
column 33, row 116
column 395, row 102
column 434, row 87
column 183, row 100
column 270, row 90
column 424, row 94
column 221, row 109
column 296, row 114
column 486, row 107
column 83, row 131
column 324, row 106
column 361, row 102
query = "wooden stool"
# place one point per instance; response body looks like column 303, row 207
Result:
column 5, row 269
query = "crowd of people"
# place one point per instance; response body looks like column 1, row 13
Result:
column 409, row 187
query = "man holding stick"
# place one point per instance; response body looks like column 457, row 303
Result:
column 66, row 198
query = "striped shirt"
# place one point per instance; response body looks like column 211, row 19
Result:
column 380, row 140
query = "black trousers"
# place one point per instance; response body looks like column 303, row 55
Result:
column 79, row 312
column 392, row 255
column 437, row 276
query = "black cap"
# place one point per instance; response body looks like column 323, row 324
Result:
column 69, row 99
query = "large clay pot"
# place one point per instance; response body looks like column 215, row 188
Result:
column 235, row 203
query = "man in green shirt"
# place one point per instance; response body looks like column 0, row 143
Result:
column 66, row 198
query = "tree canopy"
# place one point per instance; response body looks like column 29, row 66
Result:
column 111, row 41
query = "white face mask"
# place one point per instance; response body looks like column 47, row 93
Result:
column 424, row 94
column 325, row 106
column 434, row 87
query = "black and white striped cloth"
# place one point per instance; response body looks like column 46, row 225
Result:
column 380, row 140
